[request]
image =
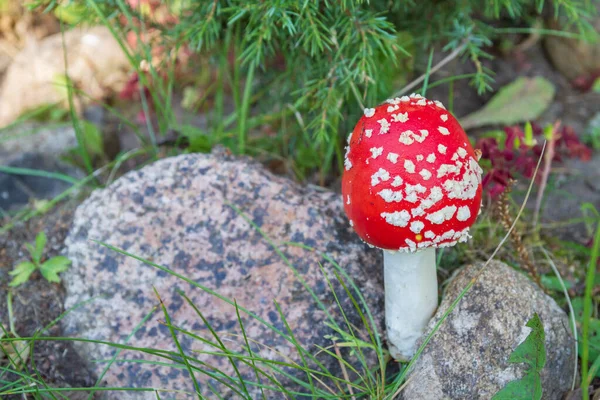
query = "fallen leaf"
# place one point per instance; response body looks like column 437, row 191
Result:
column 525, row 99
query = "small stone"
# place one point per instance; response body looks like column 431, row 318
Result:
column 178, row 213
column 467, row 357
column 17, row 190
column 574, row 58
column 97, row 66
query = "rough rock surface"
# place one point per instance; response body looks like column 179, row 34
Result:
column 36, row 76
column 467, row 357
column 17, row 190
column 34, row 138
column 34, row 147
column 177, row 212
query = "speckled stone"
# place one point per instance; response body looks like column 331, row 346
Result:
column 177, row 212
column 467, row 357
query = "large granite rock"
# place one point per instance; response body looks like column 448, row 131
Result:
column 467, row 357
column 178, row 213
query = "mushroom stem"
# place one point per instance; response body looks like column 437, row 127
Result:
column 411, row 298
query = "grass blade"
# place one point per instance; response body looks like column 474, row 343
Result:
column 587, row 314
column 176, row 341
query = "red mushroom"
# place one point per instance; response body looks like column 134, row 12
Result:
column 411, row 184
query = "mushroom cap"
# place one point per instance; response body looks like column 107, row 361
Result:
column 411, row 178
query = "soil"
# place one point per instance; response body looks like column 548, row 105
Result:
column 37, row 302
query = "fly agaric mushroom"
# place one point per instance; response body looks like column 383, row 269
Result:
column 412, row 183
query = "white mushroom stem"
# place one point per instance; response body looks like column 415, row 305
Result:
column 411, row 298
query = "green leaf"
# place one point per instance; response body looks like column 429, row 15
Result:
column 199, row 140
column 52, row 267
column 70, row 13
column 528, row 131
column 94, row 143
column 526, row 388
column 533, row 353
column 40, row 244
column 525, row 99
column 191, row 98
column 30, row 249
column 596, row 85
column 21, row 273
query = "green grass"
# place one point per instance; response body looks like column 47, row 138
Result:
column 586, row 378
column 365, row 373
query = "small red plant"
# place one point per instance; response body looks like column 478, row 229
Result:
column 520, row 150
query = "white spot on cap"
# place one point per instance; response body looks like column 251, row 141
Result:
column 351, row 223
column 431, row 158
column 389, row 195
column 385, row 126
column 463, row 235
column 425, row 174
column 445, row 236
column 349, row 138
column 442, row 148
column 445, row 169
column 466, row 187
column 412, row 245
column 416, row 188
column 443, row 131
column 392, row 157
column 447, row 244
column 409, row 166
column 376, row 151
column 379, row 176
column 415, row 96
column 347, row 162
column 369, row 112
column 422, row 102
column 426, row 243
column 409, row 137
column 444, row 117
column 404, row 98
column 397, row 181
column 442, row 215
column 393, row 108
column 417, row 211
column 435, row 195
column 420, row 157
column 429, row 235
column 463, row 214
column 412, row 191
column 368, row 132
column 400, row 117
column 439, row 104
column 417, row 226
column 461, row 152
column 412, row 197
column 397, row 218
column 348, row 199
